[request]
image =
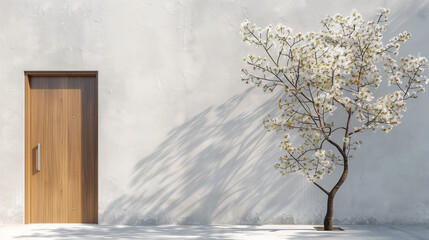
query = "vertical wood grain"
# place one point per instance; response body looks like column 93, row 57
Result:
column 27, row 151
column 65, row 190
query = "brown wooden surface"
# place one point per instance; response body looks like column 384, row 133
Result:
column 65, row 189
column 61, row 73
column 27, row 152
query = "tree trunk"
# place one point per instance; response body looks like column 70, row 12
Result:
column 327, row 223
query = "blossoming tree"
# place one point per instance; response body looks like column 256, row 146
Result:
column 330, row 81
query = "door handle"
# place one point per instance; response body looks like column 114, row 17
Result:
column 38, row 157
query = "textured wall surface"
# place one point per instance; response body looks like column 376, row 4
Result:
column 181, row 139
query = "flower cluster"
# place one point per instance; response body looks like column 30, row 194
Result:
column 308, row 158
column 329, row 74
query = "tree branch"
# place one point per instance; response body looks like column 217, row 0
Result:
column 321, row 188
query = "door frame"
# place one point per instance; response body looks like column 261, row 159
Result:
column 27, row 169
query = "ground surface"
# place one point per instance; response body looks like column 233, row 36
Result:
column 265, row 232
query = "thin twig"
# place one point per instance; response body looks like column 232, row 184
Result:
column 321, row 188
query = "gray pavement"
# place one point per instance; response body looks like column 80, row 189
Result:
column 217, row 232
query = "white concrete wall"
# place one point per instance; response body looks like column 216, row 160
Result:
column 180, row 137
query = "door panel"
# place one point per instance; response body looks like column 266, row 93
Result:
column 62, row 118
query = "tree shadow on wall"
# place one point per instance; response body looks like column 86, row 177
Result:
column 215, row 168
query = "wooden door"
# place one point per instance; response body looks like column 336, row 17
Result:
column 61, row 148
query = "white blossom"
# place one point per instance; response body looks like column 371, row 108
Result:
column 327, row 74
